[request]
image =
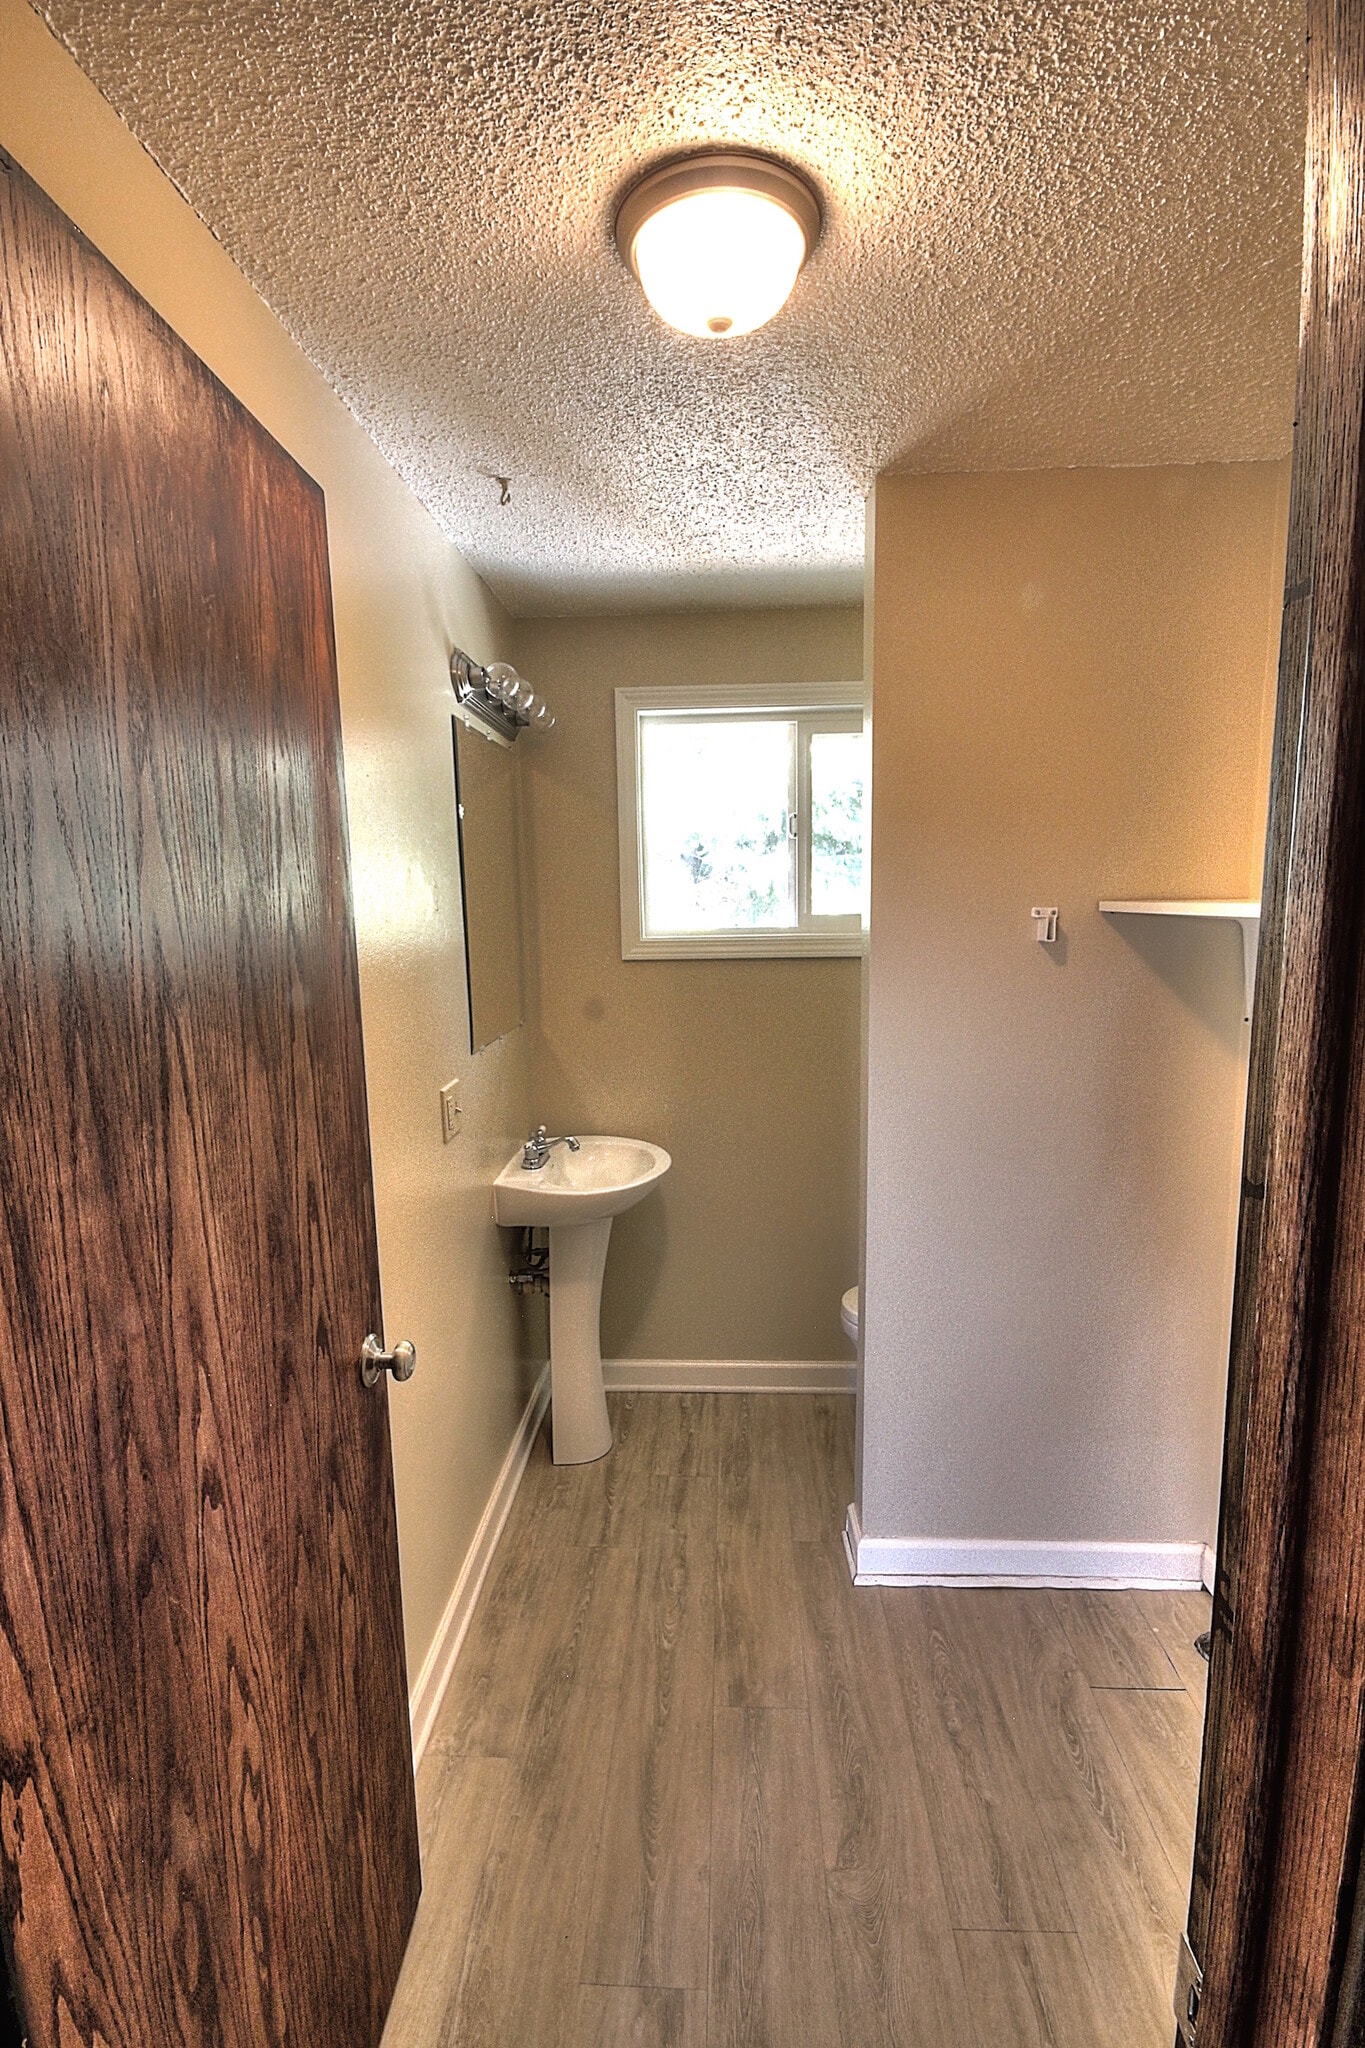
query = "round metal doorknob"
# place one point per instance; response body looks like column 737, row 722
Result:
column 375, row 1361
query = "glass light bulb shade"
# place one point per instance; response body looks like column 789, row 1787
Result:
column 522, row 698
column 542, row 718
column 718, row 240
column 720, row 261
column 504, row 680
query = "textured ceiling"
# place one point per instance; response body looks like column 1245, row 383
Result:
column 1057, row 231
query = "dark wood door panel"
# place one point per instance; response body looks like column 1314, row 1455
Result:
column 206, row 1813
column 1281, row 1797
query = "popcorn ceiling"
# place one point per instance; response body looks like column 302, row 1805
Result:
column 1057, row 232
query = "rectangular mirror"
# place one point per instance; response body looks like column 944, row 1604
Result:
column 488, row 808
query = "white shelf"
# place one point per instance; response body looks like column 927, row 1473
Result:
column 1246, row 915
column 1237, row 913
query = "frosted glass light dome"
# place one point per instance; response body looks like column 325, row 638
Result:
column 718, row 241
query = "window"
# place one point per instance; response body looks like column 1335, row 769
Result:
column 742, row 821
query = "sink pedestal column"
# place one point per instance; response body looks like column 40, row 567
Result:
column 579, row 1428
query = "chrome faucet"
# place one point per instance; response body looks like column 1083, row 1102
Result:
column 536, row 1150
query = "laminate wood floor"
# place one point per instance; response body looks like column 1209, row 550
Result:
column 690, row 1788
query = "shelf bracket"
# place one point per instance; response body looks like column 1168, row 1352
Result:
column 1251, row 940
column 1246, row 916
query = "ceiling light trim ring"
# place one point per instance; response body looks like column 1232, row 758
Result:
column 711, row 170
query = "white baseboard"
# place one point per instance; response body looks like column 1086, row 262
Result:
column 728, row 1375
column 1210, row 1567
column 439, row 1662
column 939, row 1561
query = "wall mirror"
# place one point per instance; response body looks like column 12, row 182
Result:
column 488, row 808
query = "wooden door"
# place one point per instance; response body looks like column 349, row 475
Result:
column 207, row 1829
column 1281, row 1810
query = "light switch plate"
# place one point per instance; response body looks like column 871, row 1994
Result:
column 450, row 1112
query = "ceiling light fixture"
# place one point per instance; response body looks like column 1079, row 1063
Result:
column 718, row 241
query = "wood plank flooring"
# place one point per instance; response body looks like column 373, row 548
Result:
column 690, row 1788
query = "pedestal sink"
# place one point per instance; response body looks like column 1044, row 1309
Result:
column 574, row 1196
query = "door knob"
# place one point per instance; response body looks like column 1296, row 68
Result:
column 375, row 1361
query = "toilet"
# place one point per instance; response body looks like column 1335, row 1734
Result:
column 848, row 1316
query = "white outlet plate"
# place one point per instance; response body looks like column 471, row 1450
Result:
column 450, row 1112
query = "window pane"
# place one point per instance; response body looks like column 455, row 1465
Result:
column 714, row 814
column 838, row 778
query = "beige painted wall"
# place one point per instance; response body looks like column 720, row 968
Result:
column 402, row 596
column 1072, row 681
column 747, row 1071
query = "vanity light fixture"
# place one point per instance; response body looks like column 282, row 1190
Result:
column 502, row 701
column 717, row 241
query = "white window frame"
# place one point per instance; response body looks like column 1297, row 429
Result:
column 806, row 703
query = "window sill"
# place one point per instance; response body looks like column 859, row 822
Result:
column 749, row 946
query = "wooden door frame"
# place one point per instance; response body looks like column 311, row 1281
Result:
column 1280, row 1803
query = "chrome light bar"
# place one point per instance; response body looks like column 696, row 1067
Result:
column 498, row 697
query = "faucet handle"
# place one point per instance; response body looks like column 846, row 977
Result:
column 535, row 1151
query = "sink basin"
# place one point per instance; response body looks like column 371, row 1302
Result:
column 574, row 1196
column 605, row 1176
